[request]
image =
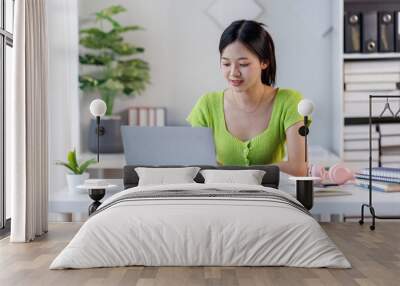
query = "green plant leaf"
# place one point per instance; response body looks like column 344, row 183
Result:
column 120, row 30
column 88, row 82
column 72, row 159
column 75, row 171
column 91, row 59
column 86, row 164
column 106, row 14
column 112, row 10
column 125, row 49
column 112, row 86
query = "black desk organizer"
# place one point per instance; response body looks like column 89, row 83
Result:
column 377, row 120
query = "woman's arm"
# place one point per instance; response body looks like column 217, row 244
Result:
column 295, row 165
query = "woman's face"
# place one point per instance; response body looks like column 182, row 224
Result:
column 240, row 67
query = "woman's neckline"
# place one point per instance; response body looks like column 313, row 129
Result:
column 277, row 90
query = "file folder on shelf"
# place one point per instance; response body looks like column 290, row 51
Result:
column 370, row 32
column 352, row 32
column 386, row 32
column 397, row 31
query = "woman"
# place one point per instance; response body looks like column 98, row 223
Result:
column 251, row 119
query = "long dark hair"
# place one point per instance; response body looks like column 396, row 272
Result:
column 257, row 40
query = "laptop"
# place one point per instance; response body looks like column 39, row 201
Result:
column 170, row 145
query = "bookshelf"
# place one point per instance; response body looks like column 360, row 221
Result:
column 340, row 61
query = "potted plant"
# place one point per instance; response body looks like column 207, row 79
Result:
column 114, row 69
column 77, row 174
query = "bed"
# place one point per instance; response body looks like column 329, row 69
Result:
column 201, row 224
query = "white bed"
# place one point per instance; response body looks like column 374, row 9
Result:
column 185, row 230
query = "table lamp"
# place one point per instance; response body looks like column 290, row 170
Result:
column 305, row 108
column 304, row 185
column 98, row 108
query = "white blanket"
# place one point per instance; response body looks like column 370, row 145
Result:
column 200, row 231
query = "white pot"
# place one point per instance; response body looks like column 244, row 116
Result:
column 74, row 180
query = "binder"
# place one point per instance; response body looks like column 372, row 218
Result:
column 352, row 32
column 386, row 32
column 397, row 31
column 370, row 32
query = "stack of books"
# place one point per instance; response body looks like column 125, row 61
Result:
column 361, row 79
column 365, row 78
column 146, row 116
column 356, row 144
column 383, row 179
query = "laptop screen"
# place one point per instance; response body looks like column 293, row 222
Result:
column 170, row 145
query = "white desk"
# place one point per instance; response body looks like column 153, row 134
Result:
column 385, row 204
column 324, row 208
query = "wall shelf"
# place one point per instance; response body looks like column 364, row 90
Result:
column 372, row 56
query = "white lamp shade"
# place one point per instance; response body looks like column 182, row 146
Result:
column 98, row 107
column 305, row 107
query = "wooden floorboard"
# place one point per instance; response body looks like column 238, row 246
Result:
column 374, row 255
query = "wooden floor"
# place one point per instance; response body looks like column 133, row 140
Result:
column 375, row 257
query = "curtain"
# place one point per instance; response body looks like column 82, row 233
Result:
column 28, row 123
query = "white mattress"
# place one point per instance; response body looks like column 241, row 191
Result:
column 200, row 231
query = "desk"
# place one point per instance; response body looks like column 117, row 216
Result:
column 325, row 208
column 385, row 204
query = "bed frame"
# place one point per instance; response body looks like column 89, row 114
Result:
column 270, row 179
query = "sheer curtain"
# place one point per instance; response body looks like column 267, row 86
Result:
column 28, row 123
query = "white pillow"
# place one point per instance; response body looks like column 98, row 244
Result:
column 162, row 176
column 248, row 177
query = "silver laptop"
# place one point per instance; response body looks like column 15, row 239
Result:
column 168, row 145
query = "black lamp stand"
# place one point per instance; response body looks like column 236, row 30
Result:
column 96, row 195
column 100, row 130
column 304, row 188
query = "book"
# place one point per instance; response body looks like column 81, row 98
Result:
column 372, row 77
column 330, row 192
column 390, row 159
column 382, row 172
column 370, row 86
column 146, row 116
column 151, row 117
column 360, row 136
column 133, row 116
column 364, row 95
column 378, row 178
column 361, row 108
column 391, row 150
column 359, row 144
column 366, row 67
column 143, row 117
column 386, row 128
column 359, row 155
column 379, row 186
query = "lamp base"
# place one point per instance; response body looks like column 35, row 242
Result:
column 305, row 193
column 96, row 195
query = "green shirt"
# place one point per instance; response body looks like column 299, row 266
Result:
column 265, row 148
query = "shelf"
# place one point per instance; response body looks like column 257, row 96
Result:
column 107, row 161
column 371, row 56
column 365, row 120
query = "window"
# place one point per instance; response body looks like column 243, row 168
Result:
column 6, row 65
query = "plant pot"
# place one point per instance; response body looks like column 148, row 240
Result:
column 111, row 140
column 74, row 180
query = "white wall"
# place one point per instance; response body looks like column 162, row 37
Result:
column 181, row 43
column 63, row 86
